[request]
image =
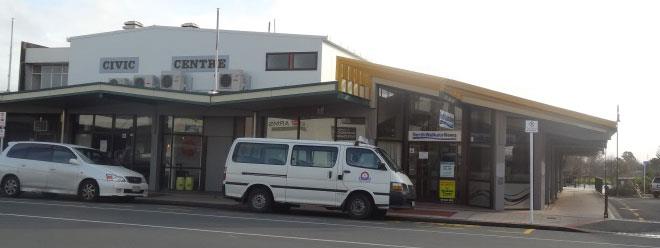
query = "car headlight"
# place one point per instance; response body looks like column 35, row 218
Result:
column 396, row 187
column 115, row 178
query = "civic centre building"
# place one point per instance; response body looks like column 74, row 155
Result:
column 142, row 95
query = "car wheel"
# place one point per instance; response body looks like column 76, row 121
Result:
column 88, row 191
column 359, row 207
column 260, row 200
column 11, row 186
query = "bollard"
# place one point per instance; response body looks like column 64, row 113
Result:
column 607, row 190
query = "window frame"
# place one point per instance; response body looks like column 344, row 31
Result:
column 237, row 147
column 380, row 161
column 291, row 56
column 315, row 148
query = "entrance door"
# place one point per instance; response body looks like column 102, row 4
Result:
column 432, row 168
column 312, row 177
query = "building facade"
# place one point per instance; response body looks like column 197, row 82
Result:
column 459, row 143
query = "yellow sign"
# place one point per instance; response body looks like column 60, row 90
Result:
column 447, row 189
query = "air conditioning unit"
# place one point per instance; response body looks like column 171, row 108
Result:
column 145, row 81
column 120, row 81
column 234, row 80
column 173, row 80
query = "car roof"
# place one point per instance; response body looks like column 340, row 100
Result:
column 306, row 142
column 47, row 143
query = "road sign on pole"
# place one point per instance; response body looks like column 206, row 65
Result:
column 3, row 122
column 531, row 127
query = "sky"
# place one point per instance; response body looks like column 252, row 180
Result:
column 583, row 55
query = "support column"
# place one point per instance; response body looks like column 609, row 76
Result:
column 539, row 168
column 499, row 161
column 155, row 151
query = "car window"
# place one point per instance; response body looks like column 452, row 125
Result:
column 363, row 158
column 259, row 153
column 94, row 156
column 18, row 151
column 314, row 156
column 40, row 152
column 62, row 155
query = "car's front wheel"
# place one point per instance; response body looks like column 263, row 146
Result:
column 88, row 191
column 11, row 186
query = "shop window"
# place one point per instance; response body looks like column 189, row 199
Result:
column 317, row 128
column 291, row 61
column 516, row 152
column 481, row 157
column 142, row 145
column 282, row 128
column 256, row 153
column 84, row 123
column 391, row 103
column 124, row 123
column 314, row 156
column 188, row 125
column 103, row 123
column 49, row 76
column 350, row 128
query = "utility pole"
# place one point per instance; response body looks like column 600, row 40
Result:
column 11, row 48
column 618, row 119
column 216, row 88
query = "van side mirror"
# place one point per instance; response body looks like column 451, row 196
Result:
column 74, row 161
column 381, row 166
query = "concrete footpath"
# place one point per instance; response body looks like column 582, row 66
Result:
column 575, row 207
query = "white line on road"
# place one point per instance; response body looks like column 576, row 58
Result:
column 335, row 224
column 208, row 230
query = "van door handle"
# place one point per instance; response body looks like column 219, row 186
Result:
column 330, row 174
column 347, row 171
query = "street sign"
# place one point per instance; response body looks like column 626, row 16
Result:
column 531, row 126
column 2, row 133
column 3, row 119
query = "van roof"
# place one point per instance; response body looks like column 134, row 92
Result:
column 307, row 142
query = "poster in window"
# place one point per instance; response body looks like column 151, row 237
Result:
column 447, row 169
column 447, row 189
column 446, row 119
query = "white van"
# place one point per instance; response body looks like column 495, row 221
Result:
column 357, row 178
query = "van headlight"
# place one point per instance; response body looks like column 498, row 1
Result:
column 115, row 178
column 396, row 187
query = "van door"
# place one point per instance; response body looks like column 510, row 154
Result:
column 312, row 176
column 363, row 169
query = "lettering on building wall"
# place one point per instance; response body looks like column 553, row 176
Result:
column 119, row 65
column 199, row 63
column 435, row 136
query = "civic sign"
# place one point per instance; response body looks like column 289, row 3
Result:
column 199, row 63
column 531, row 126
column 435, row 136
column 119, row 65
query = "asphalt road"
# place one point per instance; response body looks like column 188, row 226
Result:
column 41, row 222
column 644, row 209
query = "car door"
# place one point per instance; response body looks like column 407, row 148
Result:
column 363, row 169
column 312, row 177
column 32, row 163
column 63, row 176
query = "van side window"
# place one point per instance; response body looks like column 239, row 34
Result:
column 314, row 156
column 259, row 153
column 363, row 158
column 18, row 151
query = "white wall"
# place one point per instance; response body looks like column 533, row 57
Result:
column 155, row 47
column 329, row 61
column 47, row 55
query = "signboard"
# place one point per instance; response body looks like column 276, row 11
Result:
column 2, row 133
column 199, row 63
column 346, row 133
column 447, row 189
column 3, row 119
column 531, row 126
column 423, row 155
column 447, row 169
column 435, row 136
column 119, row 65
column 446, row 119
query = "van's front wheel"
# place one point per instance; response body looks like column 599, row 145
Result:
column 260, row 200
column 359, row 207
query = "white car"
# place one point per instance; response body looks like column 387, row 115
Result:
column 65, row 169
column 655, row 187
column 359, row 179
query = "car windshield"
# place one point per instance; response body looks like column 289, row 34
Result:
column 94, row 156
column 389, row 160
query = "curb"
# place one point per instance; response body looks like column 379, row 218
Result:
column 395, row 217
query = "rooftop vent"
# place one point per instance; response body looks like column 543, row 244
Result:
column 132, row 25
column 189, row 25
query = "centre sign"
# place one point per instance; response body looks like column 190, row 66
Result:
column 199, row 63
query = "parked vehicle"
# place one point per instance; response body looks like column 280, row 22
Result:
column 65, row 169
column 359, row 179
column 655, row 187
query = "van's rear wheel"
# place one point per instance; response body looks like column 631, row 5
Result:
column 260, row 200
column 359, row 207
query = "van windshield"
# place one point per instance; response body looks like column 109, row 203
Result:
column 389, row 160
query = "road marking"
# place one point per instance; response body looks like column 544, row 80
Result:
column 208, row 230
column 528, row 231
column 343, row 225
